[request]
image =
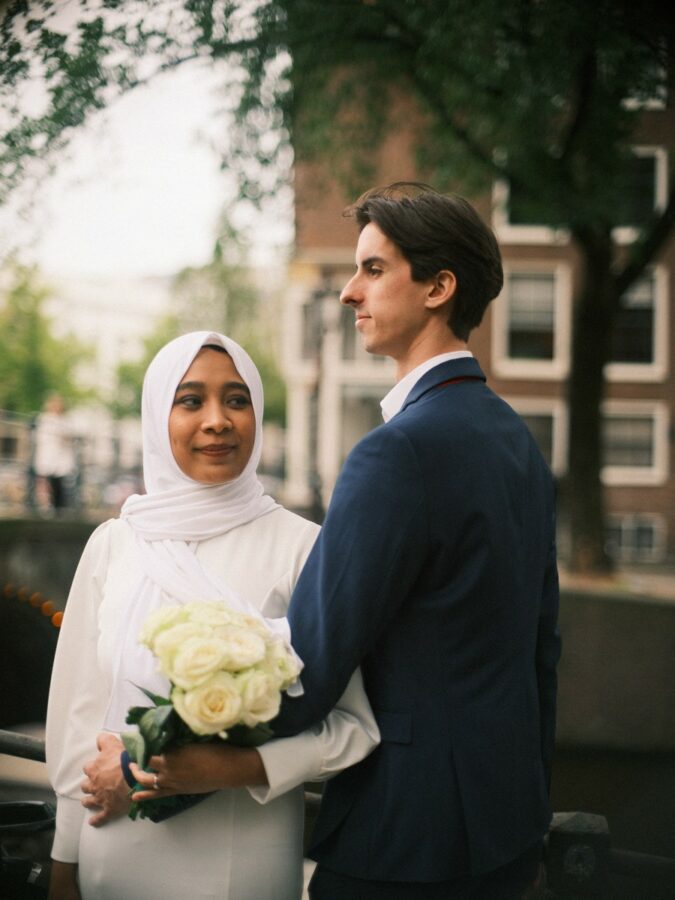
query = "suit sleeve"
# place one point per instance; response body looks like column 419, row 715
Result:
column 359, row 573
column 548, row 654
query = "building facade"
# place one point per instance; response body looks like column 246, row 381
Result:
column 523, row 345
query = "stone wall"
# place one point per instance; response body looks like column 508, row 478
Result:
column 616, row 676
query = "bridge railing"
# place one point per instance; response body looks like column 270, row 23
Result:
column 105, row 464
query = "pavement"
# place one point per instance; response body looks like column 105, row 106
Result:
column 626, row 583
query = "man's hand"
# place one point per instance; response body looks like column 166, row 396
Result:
column 108, row 792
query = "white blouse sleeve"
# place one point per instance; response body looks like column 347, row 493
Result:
column 346, row 736
column 76, row 698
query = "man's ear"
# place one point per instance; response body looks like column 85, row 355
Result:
column 442, row 288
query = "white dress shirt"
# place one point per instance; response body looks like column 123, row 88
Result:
column 397, row 396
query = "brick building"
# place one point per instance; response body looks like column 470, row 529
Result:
column 523, row 345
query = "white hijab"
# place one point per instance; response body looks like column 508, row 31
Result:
column 175, row 514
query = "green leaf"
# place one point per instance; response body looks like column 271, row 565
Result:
column 243, row 736
column 134, row 744
column 152, row 731
column 136, row 713
column 157, row 699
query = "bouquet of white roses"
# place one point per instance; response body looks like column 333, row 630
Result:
column 227, row 671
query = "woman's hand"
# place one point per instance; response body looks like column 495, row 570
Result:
column 107, row 793
column 199, row 769
column 63, row 882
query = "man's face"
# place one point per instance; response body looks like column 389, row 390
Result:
column 390, row 307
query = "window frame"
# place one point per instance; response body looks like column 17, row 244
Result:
column 658, row 368
column 627, row 234
column 557, row 410
column 630, row 520
column 554, row 369
column 658, row 472
column 534, row 234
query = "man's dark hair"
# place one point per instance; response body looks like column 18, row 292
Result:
column 437, row 231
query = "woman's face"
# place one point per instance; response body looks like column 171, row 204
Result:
column 212, row 424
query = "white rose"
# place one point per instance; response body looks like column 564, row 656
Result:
column 281, row 663
column 254, row 624
column 209, row 613
column 196, row 659
column 158, row 621
column 211, row 707
column 168, row 642
column 260, row 697
column 244, row 648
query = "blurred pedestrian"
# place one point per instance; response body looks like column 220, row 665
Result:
column 54, row 459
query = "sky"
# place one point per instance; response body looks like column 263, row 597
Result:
column 139, row 191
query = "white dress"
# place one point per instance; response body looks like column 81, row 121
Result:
column 241, row 844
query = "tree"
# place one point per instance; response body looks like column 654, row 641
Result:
column 534, row 92
column 33, row 362
column 220, row 296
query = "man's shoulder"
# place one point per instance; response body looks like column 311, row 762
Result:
column 387, row 438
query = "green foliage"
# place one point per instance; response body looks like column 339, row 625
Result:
column 546, row 95
column 33, row 362
column 531, row 92
column 218, row 295
column 543, row 83
column 222, row 296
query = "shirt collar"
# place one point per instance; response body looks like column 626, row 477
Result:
column 393, row 402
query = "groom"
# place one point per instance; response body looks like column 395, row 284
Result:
column 435, row 571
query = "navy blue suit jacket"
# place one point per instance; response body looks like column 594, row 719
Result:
column 435, row 572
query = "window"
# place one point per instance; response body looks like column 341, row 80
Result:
column 639, row 195
column 651, row 92
column 629, row 441
column 639, row 350
column 635, row 538
column 633, row 336
column 635, row 443
column 531, row 323
column 546, row 419
column 531, row 316
column 541, row 429
column 513, row 220
column 645, row 190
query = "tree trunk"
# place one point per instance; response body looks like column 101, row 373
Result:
column 583, row 497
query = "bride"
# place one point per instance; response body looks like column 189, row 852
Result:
column 204, row 530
